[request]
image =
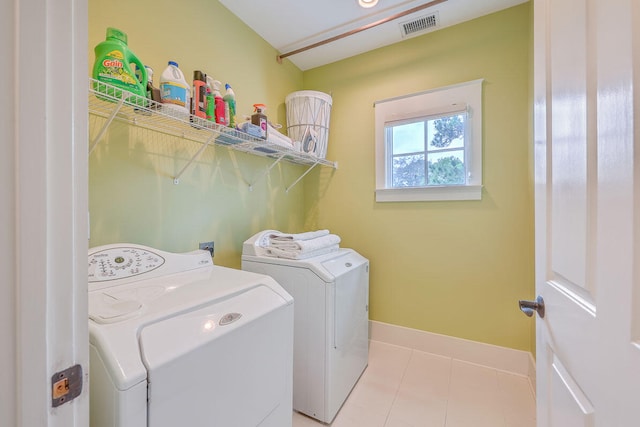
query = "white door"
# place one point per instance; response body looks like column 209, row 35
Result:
column 43, row 212
column 587, row 131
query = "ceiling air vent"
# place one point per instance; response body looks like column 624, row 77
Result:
column 420, row 25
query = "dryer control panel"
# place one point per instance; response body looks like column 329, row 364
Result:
column 121, row 262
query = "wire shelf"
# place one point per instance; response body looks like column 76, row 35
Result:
column 116, row 104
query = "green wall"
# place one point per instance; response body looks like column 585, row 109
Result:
column 132, row 197
column 454, row 268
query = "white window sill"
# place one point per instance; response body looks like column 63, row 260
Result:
column 428, row 194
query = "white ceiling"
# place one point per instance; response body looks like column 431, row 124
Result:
column 290, row 24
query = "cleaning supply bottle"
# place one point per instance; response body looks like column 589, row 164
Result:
column 153, row 93
column 230, row 99
column 226, row 112
column 174, row 91
column 211, row 101
column 113, row 66
column 199, row 101
column 148, row 105
column 260, row 119
column 219, row 110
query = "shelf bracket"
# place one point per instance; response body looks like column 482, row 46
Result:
column 266, row 172
column 176, row 179
column 107, row 123
column 301, row 176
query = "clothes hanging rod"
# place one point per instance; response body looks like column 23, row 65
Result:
column 280, row 57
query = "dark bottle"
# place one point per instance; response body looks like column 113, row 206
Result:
column 260, row 119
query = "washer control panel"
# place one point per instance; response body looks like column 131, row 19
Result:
column 122, row 262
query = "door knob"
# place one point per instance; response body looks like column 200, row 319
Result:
column 528, row 307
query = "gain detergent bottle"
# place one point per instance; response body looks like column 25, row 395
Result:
column 113, row 66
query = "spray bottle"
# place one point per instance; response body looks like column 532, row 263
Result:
column 230, row 99
column 260, row 119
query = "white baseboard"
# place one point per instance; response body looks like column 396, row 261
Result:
column 501, row 358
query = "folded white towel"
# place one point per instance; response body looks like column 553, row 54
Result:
column 306, row 245
column 280, row 237
column 279, row 253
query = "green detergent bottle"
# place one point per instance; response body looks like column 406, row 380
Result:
column 113, row 66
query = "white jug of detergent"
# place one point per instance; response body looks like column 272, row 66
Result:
column 175, row 92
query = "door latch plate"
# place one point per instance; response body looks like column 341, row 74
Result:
column 66, row 385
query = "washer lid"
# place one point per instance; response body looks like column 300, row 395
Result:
column 341, row 265
column 169, row 339
column 228, row 363
column 116, row 321
column 327, row 267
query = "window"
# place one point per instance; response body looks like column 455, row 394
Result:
column 429, row 145
column 427, row 151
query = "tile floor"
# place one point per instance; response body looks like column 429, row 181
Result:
column 402, row 387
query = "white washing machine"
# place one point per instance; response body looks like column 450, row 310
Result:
column 331, row 322
column 178, row 341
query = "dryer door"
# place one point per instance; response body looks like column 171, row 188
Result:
column 227, row 364
column 348, row 324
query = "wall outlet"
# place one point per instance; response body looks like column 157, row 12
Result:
column 208, row 246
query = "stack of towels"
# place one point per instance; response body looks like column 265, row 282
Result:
column 302, row 245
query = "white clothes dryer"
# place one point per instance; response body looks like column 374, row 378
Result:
column 331, row 322
column 178, row 341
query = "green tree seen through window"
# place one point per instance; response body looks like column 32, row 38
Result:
column 447, row 170
column 448, row 129
column 411, row 171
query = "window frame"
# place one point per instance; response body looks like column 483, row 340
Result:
column 448, row 100
column 424, row 120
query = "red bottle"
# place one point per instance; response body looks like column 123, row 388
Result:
column 199, row 101
column 221, row 117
